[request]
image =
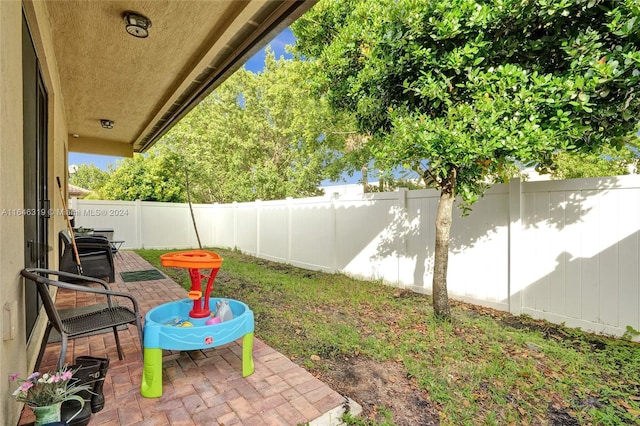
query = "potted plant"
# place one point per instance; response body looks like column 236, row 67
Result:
column 45, row 393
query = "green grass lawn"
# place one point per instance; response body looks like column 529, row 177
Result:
column 484, row 367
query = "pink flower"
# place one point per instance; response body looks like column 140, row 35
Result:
column 26, row 386
column 39, row 390
column 14, row 377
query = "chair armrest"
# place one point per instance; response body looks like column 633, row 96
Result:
column 97, row 239
column 33, row 274
column 72, row 276
column 92, row 245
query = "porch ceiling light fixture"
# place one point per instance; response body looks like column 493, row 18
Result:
column 137, row 25
column 106, row 124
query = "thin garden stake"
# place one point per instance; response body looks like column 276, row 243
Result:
column 69, row 228
column 186, row 184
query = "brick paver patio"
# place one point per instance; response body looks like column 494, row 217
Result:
column 203, row 387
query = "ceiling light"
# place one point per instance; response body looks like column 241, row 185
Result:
column 107, row 124
column 137, row 25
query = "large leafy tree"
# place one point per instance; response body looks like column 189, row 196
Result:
column 89, row 176
column 607, row 161
column 459, row 90
column 154, row 176
column 262, row 136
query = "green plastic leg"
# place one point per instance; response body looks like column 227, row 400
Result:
column 151, row 386
column 247, row 354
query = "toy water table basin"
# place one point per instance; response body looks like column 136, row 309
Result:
column 170, row 327
column 194, row 260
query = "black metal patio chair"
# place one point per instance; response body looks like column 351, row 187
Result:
column 111, row 316
column 95, row 253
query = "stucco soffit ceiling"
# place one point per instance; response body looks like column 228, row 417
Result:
column 145, row 85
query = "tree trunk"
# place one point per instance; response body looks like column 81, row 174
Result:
column 441, row 257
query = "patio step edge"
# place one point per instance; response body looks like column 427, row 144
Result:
column 333, row 417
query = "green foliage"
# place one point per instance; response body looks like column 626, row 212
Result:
column 89, row 176
column 607, row 161
column 94, row 195
column 350, row 420
column 630, row 333
column 459, row 89
column 261, row 136
column 264, row 136
column 155, row 176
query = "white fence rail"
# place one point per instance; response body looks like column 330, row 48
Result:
column 565, row 251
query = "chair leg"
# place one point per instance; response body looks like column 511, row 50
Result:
column 43, row 346
column 115, row 333
column 140, row 333
column 63, row 349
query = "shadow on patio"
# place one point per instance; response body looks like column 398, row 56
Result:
column 203, row 387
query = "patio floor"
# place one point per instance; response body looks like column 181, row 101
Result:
column 202, row 387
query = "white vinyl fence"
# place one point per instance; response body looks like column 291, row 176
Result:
column 565, row 251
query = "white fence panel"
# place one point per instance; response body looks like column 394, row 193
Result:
column 311, row 234
column 166, row 225
column 225, row 229
column 416, row 271
column 629, row 259
column 565, row 251
column 245, row 227
column 479, row 252
column 365, row 246
column 273, row 230
column 583, row 247
column 205, row 221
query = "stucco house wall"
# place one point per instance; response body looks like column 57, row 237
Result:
column 16, row 354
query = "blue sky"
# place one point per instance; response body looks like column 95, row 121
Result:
column 255, row 64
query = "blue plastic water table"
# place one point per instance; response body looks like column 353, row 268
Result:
column 169, row 326
column 182, row 325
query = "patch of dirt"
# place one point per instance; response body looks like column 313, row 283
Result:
column 552, row 331
column 375, row 384
column 560, row 417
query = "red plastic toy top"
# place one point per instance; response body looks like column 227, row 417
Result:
column 191, row 259
column 194, row 260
